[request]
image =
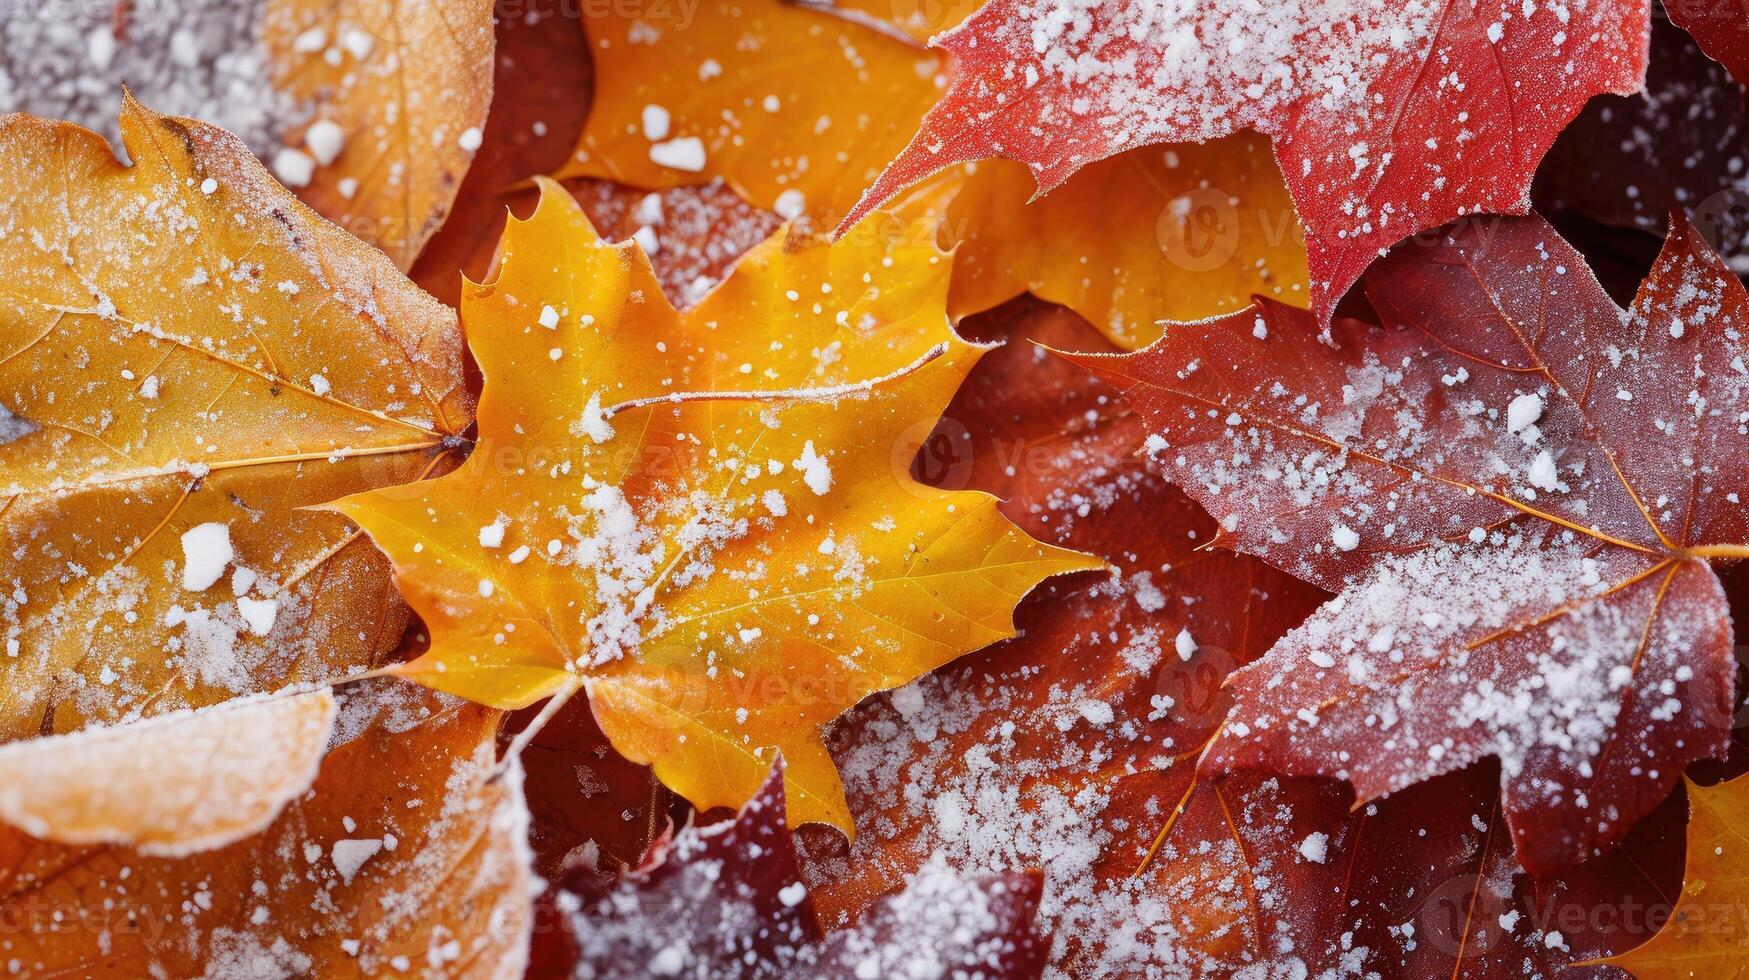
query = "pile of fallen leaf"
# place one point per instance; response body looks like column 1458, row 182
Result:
column 832, row 488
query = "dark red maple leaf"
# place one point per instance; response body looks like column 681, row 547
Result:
column 1388, row 117
column 1010, row 758
column 1516, row 486
column 1071, row 747
column 1629, row 161
column 1721, row 27
column 727, row 900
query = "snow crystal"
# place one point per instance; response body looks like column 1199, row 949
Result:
column 1315, row 847
column 1523, row 411
column 258, row 614
column 1344, row 537
column 294, row 168
column 351, row 854
column 686, row 153
column 206, row 551
column 655, row 119
column 816, row 471
column 1185, row 644
column 325, row 139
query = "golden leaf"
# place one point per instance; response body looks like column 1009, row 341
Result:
column 669, row 510
column 1706, row 933
column 406, row 856
column 399, row 91
column 188, row 357
column 797, row 109
column 1157, row 233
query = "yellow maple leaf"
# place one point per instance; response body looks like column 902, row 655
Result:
column 398, row 94
column 188, row 357
column 798, row 110
column 1706, row 933
column 707, row 519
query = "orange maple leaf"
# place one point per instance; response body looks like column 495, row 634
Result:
column 706, row 519
column 188, row 357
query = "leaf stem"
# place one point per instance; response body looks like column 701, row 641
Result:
column 1717, row 551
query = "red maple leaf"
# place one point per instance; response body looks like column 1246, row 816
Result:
column 1516, row 487
column 1008, row 759
column 1387, row 117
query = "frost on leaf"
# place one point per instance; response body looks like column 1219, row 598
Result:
column 398, row 92
column 705, row 518
column 195, row 370
column 405, row 856
column 1387, row 117
column 1072, row 748
column 360, row 106
column 171, row 785
column 1519, row 578
column 728, row 900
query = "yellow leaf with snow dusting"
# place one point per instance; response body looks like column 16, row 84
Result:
column 705, row 519
column 188, row 358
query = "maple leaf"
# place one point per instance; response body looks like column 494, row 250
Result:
column 397, row 95
column 705, row 519
column 681, row 102
column 172, row 785
column 1070, row 748
column 1008, row 758
column 1705, row 934
column 189, row 357
column 405, row 855
column 727, row 900
column 1359, row 102
column 1720, row 28
column 1515, row 485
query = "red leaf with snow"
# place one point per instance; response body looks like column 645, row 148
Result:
column 1517, row 486
column 727, row 900
column 1388, row 117
column 1008, row 758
